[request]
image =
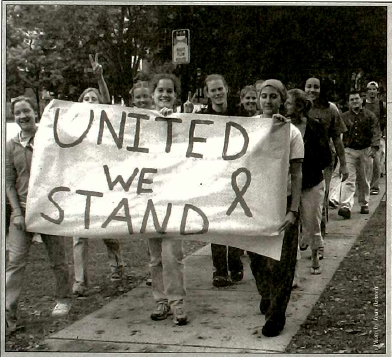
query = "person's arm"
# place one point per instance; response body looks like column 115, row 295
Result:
column 376, row 134
column 296, row 187
column 339, row 147
column 338, row 128
column 98, row 71
column 10, row 178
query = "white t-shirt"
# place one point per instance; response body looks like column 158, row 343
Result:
column 297, row 150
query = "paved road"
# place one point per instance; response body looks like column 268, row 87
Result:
column 222, row 321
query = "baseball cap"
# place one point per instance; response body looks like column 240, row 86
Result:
column 372, row 83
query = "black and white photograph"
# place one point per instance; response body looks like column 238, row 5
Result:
column 195, row 178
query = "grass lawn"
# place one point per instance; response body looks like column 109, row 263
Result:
column 36, row 301
column 350, row 316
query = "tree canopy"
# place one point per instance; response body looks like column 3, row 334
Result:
column 48, row 45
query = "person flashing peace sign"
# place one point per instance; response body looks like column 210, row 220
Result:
column 93, row 95
column 80, row 245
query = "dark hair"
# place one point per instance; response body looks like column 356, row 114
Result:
column 95, row 90
column 22, row 99
column 353, row 92
column 301, row 98
column 326, row 90
column 176, row 82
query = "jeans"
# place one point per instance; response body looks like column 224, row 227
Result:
column 359, row 165
column 80, row 255
column 167, row 270
column 226, row 258
column 311, row 212
column 19, row 247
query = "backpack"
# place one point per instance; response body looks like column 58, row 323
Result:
column 382, row 120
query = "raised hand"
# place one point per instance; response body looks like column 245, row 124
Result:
column 97, row 68
column 188, row 105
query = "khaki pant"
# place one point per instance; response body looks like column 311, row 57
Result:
column 359, row 165
column 80, row 255
column 167, row 270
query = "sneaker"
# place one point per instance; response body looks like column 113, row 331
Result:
column 149, row 282
column 364, row 210
column 61, row 309
column 180, row 317
column 345, row 213
column 374, row 191
column 161, row 312
column 79, row 290
column 303, row 246
column 237, row 276
column 321, row 253
column 221, row 281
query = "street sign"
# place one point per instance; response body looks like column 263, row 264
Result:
column 181, row 46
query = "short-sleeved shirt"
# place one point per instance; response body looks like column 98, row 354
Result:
column 330, row 118
column 297, row 150
column 375, row 107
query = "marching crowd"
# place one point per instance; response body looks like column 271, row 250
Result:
column 332, row 155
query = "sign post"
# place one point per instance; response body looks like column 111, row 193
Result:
column 181, row 46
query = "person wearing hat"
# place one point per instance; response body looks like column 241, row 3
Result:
column 378, row 107
column 80, row 245
column 274, row 278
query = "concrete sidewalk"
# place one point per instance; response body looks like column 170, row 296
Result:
column 224, row 320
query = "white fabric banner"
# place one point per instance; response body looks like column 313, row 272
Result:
column 102, row 171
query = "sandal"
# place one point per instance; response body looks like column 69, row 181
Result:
column 315, row 270
column 321, row 253
column 303, row 247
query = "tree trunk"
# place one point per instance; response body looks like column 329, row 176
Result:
column 37, row 97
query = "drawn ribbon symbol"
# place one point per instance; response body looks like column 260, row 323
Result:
column 240, row 193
